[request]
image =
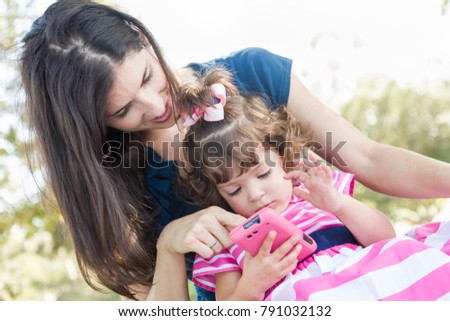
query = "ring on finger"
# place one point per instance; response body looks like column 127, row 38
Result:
column 210, row 245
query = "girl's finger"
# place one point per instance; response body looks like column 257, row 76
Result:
column 301, row 193
column 287, row 246
column 329, row 174
column 266, row 246
column 290, row 261
column 312, row 161
column 291, row 258
column 321, row 171
column 296, row 176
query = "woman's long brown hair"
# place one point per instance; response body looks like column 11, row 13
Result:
column 67, row 72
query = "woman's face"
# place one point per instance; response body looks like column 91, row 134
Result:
column 139, row 99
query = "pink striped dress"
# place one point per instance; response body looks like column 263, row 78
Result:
column 415, row 266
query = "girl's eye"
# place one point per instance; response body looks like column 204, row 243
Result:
column 235, row 192
column 266, row 174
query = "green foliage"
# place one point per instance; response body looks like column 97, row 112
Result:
column 413, row 118
column 444, row 6
column 36, row 257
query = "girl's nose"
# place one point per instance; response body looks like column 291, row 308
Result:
column 256, row 194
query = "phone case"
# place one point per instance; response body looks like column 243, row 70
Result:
column 254, row 230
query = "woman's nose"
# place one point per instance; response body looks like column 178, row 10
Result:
column 150, row 101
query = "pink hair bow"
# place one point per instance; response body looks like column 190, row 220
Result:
column 209, row 113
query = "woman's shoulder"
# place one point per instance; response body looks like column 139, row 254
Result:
column 245, row 58
column 255, row 71
column 251, row 53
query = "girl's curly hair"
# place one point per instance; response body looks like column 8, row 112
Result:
column 214, row 150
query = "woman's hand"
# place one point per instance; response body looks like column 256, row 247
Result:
column 205, row 232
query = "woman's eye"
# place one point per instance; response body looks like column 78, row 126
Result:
column 148, row 78
column 235, row 192
column 266, row 174
column 123, row 112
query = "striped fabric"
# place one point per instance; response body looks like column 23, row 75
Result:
column 411, row 267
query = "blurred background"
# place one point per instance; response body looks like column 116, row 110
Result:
column 384, row 65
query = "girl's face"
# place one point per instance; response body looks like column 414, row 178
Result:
column 261, row 186
column 139, row 99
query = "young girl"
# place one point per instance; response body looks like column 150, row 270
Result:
column 239, row 154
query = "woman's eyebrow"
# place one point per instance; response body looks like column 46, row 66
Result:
column 144, row 75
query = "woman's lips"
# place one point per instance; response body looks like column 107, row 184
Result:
column 165, row 116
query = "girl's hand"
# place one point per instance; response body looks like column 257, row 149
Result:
column 319, row 189
column 265, row 269
column 204, row 232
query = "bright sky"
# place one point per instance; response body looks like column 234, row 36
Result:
column 331, row 42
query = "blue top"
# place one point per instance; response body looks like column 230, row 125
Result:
column 255, row 71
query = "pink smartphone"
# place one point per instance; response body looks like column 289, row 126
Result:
column 251, row 234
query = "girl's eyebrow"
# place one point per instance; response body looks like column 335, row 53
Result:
column 232, row 181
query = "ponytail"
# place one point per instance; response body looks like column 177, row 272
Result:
column 193, row 96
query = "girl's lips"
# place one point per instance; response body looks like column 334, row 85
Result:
column 165, row 116
column 267, row 205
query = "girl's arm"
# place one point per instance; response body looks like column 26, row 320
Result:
column 386, row 169
column 367, row 225
column 260, row 272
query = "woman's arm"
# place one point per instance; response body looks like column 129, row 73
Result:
column 170, row 280
column 191, row 233
column 386, row 169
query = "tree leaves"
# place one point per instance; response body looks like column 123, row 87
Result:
column 415, row 118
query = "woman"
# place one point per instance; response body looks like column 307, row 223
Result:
column 100, row 101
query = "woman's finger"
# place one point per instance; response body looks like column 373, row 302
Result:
column 223, row 224
column 227, row 219
column 205, row 232
column 202, row 249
